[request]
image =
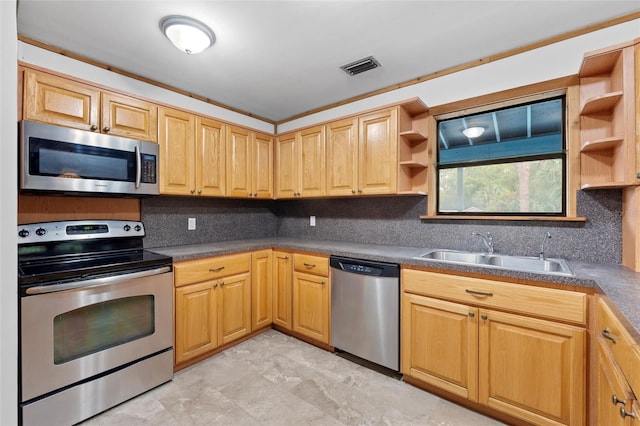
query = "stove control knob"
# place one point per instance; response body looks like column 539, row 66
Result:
column 40, row 232
column 127, row 228
column 138, row 228
column 23, row 233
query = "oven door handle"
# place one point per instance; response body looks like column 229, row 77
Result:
column 96, row 282
column 138, row 167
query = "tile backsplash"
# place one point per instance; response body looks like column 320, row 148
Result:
column 386, row 220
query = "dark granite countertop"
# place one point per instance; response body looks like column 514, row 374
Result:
column 620, row 285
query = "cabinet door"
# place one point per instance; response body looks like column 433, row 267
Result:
column 282, row 288
column 342, row 157
column 177, row 171
column 210, row 148
column 440, row 344
column 238, row 162
column 129, row 117
column 261, row 289
column 311, row 306
column 532, row 369
column 234, row 304
column 262, row 159
column 56, row 100
column 196, row 320
column 610, row 388
column 287, row 166
column 311, row 163
column 378, row 152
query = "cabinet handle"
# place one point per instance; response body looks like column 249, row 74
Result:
column 93, row 128
column 199, row 191
column 285, row 258
column 606, row 333
column 323, row 282
column 624, row 413
column 193, row 191
column 218, row 269
column 616, row 401
column 106, row 129
column 484, row 316
column 478, row 293
column 353, row 191
column 360, row 191
column 471, row 315
column 215, row 285
column 310, row 265
column 221, row 283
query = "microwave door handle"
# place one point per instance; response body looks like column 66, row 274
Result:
column 138, row 167
column 96, row 282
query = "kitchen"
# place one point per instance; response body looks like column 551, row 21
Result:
column 165, row 216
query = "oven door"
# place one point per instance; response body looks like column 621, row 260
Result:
column 72, row 335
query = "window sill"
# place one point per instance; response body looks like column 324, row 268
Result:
column 506, row 218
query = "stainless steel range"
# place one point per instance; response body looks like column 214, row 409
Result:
column 96, row 318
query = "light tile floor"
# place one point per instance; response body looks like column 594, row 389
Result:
column 274, row 379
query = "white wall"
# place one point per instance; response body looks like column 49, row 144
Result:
column 63, row 64
column 8, row 216
column 546, row 63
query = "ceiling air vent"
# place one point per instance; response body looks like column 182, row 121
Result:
column 361, row 66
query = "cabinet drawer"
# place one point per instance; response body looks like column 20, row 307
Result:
column 316, row 265
column 193, row 271
column 613, row 335
column 542, row 302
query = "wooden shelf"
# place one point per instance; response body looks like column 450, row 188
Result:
column 604, row 185
column 602, row 103
column 603, row 144
column 599, row 64
column 413, row 136
column 412, row 193
column 414, row 164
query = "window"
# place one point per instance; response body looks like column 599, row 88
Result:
column 513, row 166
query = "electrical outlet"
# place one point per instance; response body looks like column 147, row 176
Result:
column 312, row 221
column 192, row 224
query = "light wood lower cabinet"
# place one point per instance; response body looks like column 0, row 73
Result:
column 282, row 289
column 213, row 303
column 528, row 368
column 311, row 297
column 261, row 289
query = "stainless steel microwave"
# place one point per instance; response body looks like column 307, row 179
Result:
column 64, row 160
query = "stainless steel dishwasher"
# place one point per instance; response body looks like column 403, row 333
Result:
column 365, row 310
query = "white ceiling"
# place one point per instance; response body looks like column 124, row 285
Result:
column 278, row 59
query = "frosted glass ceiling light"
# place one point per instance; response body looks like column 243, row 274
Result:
column 473, row 132
column 187, row 34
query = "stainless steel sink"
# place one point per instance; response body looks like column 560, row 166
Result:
column 500, row 261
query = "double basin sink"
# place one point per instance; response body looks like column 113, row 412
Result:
column 500, row 261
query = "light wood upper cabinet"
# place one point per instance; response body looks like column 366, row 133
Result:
column 192, row 152
column 128, row 117
column 238, row 162
column 56, row 100
column 282, row 289
column 210, row 150
column 378, row 152
column 342, row 157
column 249, row 163
column 261, row 289
column 262, row 166
column 467, row 337
column 177, row 156
column 301, row 163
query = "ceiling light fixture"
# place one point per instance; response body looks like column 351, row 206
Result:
column 187, row 34
column 473, row 132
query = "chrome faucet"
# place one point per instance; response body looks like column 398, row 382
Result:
column 488, row 240
column 546, row 237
